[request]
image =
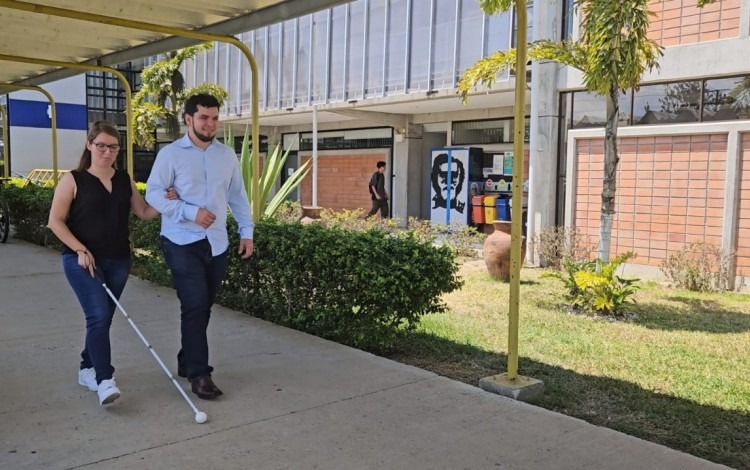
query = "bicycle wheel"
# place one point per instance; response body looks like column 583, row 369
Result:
column 4, row 221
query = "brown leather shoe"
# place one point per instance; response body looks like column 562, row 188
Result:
column 205, row 388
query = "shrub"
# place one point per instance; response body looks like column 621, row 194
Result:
column 462, row 239
column 29, row 211
column 601, row 292
column 356, row 288
column 288, row 212
column 555, row 244
column 356, row 220
column 698, row 266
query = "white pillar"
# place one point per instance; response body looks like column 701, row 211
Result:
column 315, row 157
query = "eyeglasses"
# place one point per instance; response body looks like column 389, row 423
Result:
column 102, row 147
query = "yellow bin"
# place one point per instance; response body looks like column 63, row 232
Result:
column 490, row 211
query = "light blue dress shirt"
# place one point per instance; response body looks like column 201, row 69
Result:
column 208, row 178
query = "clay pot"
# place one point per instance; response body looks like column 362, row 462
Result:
column 497, row 250
column 311, row 214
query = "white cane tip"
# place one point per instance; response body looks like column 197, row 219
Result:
column 200, row 417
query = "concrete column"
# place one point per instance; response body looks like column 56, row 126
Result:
column 544, row 129
column 732, row 201
column 408, row 169
column 744, row 19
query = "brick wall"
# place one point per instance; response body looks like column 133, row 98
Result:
column 743, row 226
column 682, row 22
column 343, row 179
column 670, row 192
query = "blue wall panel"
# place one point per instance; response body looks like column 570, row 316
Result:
column 26, row 113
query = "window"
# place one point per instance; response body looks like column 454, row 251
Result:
column 726, row 99
column 667, row 103
column 492, row 131
column 348, row 139
column 590, row 110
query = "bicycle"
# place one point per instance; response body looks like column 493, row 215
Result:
column 4, row 218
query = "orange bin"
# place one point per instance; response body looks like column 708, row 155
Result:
column 477, row 209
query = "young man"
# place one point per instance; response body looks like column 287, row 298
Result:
column 378, row 193
column 206, row 175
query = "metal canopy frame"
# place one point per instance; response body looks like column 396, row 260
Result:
column 75, row 66
column 135, row 34
column 53, row 109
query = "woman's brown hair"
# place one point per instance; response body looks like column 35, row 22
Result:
column 99, row 127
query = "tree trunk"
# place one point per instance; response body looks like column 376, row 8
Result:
column 611, row 160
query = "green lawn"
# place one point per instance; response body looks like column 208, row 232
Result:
column 678, row 374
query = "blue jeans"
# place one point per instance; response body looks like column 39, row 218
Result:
column 196, row 275
column 97, row 307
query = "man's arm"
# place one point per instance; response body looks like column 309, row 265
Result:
column 374, row 186
column 160, row 179
column 237, row 200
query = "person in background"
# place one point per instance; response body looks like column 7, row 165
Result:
column 194, row 240
column 90, row 212
column 377, row 192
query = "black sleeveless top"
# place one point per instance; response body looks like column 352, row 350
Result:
column 98, row 218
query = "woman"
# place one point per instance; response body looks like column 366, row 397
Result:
column 89, row 214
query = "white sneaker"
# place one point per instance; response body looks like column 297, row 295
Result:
column 108, row 391
column 87, row 378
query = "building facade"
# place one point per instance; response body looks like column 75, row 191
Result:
column 377, row 65
column 380, row 76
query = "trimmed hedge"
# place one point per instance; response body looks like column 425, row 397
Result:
column 357, row 288
column 29, row 211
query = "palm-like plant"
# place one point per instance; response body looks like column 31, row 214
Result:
column 273, row 165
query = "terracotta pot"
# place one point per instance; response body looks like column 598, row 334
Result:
column 311, row 214
column 497, row 250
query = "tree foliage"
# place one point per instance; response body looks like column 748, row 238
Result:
column 163, row 94
column 612, row 53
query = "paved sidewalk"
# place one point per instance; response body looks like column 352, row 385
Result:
column 292, row 401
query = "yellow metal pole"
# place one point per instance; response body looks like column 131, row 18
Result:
column 54, row 120
column 185, row 33
column 4, row 113
column 99, row 68
column 519, row 128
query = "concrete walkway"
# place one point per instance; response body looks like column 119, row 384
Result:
column 292, row 401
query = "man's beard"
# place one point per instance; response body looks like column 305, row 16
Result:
column 202, row 137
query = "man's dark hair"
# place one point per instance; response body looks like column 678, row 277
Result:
column 201, row 99
column 381, row 165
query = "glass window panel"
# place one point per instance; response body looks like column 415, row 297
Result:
column 667, row 103
column 355, row 55
column 443, row 52
column 489, row 131
column 469, row 35
column 338, row 48
column 375, row 38
column 497, row 36
column 287, row 64
column 274, row 56
column 589, row 110
column 320, row 56
column 221, row 51
column 237, row 61
column 303, row 58
column 211, row 65
column 397, row 41
column 420, row 45
column 727, row 99
column 568, row 11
